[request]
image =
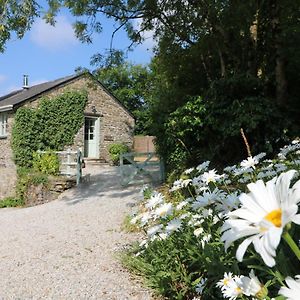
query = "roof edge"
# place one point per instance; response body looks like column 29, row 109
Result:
column 48, row 89
column 6, row 108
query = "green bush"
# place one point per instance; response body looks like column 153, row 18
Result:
column 11, row 202
column 27, row 177
column 115, row 150
column 46, row 163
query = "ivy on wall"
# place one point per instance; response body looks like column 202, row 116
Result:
column 51, row 126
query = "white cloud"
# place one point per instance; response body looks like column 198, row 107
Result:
column 2, row 78
column 149, row 42
column 60, row 37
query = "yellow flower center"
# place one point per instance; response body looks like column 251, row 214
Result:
column 274, row 217
column 225, row 281
column 238, row 290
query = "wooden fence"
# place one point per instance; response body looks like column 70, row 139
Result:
column 142, row 144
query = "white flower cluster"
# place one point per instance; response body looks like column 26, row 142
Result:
column 220, row 201
column 235, row 286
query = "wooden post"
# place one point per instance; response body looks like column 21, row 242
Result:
column 79, row 168
column 69, row 161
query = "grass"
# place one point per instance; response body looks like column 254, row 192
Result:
column 11, row 202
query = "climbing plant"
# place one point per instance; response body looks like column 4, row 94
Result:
column 51, row 126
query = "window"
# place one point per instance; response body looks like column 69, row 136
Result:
column 3, row 124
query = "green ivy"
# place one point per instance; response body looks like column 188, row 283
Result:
column 52, row 125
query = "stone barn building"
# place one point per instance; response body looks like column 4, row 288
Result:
column 106, row 121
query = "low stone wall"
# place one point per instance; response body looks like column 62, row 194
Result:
column 40, row 194
column 8, row 179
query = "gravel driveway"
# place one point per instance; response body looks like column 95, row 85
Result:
column 66, row 249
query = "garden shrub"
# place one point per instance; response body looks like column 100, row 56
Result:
column 208, row 127
column 115, row 150
column 27, row 177
column 46, row 163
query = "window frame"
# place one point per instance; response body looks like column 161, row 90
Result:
column 3, row 125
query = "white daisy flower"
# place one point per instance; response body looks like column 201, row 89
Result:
column 135, row 219
column 230, row 202
column 198, row 231
column 184, row 216
column 251, row 286
column 208, row 198
column 250, row 162
column 200, row 286
column 292, row 291
column 177, row 184
column 264, row 213
column 186, row 182
column 229, row 169
column 210, row 176
column 203, row 166
column 156, row 198
column 154, row 230
column 164, row 210
column 234, row 288
column 145, row 218
column 182, row 204
column 207, row 213
column 173, row 225
column 188, row 171
column 225, row 282
column 206, row 238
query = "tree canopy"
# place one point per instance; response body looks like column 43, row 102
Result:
column 225, row 64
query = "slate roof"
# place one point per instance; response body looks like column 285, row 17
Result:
column 18, row 97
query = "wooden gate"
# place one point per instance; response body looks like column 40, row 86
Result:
column 143, row 166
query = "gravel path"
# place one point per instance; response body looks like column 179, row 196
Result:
column 66, row 249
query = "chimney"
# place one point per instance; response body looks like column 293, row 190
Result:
column 25, row 82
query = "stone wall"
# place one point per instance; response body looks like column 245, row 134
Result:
column 8, row 174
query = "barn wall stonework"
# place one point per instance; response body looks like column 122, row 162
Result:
column 8, row 173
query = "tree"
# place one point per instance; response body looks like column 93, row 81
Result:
column 16, row 17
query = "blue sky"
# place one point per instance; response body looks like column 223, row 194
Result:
column 47, row 52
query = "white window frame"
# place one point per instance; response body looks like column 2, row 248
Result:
column 3, row 124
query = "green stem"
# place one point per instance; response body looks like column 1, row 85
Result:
column 292, row 244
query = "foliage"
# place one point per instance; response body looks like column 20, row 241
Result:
column 115, row 150
column 15, row 19
column 183, row 256
column 182, row 131
column 27, row 177
column 47, row 163
column 52, row 125
column 11, row 202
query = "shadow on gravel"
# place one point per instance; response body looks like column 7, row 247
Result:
column 106, row 184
